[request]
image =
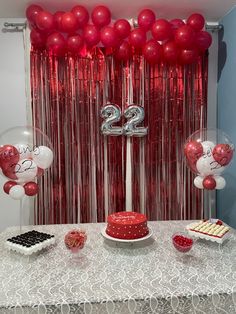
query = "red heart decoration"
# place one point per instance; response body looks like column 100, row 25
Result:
column 223, row 153
column 193, row 151
column 8, row 169
column 8, row 154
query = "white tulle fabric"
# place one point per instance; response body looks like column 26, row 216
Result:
column 108, row 278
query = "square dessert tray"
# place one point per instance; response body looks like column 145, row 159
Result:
column 30, row 242
column 213, row 230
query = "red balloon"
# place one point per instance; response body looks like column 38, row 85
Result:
column 40, row 172
column 8, row 185
column 188, row 56
column 32, row 12
column 196, row 21
column 75, row 43
column 176, row 23
column 137, row 38
column 81, row 15
column 146, row 19
column 69, row 22
column 31, row 188
column 122, row 28
column 101, row 16
column 37, row 39
column 57, row 20
column 8, row 154
column 109, row 37
column 56, row 44
column 209, row 183
column 152, row 51
column 162, row 30
column 193, row 150
column 123, row 52
column 8, row 170
column 91, row 35
column 185, row 37
column 170, row 52
column 223, row 154
column 45, row 21
column 203, row 40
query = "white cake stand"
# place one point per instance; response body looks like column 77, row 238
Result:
column 106, row 236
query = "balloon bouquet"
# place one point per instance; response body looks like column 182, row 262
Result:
column 208, row 152
column 25, row 153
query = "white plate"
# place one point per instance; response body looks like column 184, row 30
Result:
column 106, row 236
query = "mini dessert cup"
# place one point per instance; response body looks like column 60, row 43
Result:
column 75, row 240
column 182, row 242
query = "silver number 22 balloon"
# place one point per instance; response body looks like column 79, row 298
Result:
column 135, row 115
column 112, row 114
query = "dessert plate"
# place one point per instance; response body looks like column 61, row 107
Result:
column 106, row 236
column 209, row 237
column 30, row 242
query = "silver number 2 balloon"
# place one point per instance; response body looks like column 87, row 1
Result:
column 135, row 115
column 112, row 114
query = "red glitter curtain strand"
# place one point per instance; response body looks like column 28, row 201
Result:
column 88, row 178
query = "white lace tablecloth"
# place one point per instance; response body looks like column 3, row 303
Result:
column 149, row 277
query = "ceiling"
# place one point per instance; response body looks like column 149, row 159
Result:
column 213, row 10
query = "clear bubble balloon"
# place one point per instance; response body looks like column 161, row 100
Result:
column 207, row 153
column 23, row 152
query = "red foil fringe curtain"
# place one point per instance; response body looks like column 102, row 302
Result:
column 88, row 179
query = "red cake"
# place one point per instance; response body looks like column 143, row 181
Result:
column 127, row 225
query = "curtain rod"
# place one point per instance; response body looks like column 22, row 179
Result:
column 19, row 27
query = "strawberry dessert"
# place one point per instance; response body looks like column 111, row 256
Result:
column 75, row 240
column 182, row 243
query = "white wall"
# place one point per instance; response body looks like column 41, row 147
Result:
column 12, row 109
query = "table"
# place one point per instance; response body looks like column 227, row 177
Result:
column 150, row 277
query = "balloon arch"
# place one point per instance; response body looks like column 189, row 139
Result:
column 158, row 40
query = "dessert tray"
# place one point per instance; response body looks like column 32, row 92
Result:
column 213, row 230
column 106, row 236
column 30, row 242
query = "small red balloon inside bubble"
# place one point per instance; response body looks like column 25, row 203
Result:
column 157, row 39
column 23, row 159
column 207, row 153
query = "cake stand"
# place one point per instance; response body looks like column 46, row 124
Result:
column 106, row 236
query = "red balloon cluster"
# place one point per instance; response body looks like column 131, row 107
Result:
column 172, row 41
column 31, row 188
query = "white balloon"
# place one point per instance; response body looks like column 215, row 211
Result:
column 220, row 182
column 198, row 182
column 208, row 147
column 26, row 170
column 24, row 150
column 17, row 192
column 43, row 157
column 206, row 165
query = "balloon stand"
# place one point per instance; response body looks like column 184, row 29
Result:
column 209, row 206
column 21, row 214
